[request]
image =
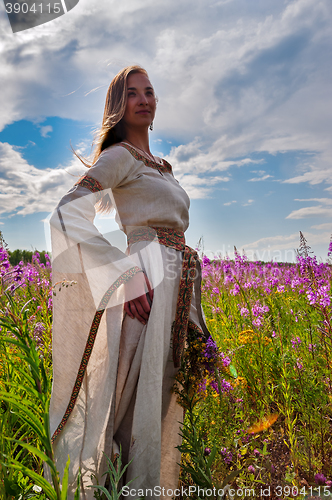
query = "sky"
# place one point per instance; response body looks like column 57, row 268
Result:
column 244, row 115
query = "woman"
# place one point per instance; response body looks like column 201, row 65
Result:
column 114, row 365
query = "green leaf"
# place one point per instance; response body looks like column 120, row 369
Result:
column 39, row 480
column 78, row 489
column 26, row 414
column 233, row 371
column 230, row 476
column 103, row 489
column 211, row 457
column 33, row 450
column 64, row 489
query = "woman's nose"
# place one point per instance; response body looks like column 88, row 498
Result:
column 143, row 99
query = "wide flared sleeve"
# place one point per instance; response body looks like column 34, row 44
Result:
column 96, row 270
column 77, row 245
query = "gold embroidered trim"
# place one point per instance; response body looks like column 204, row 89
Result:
column 90, row 183
column 167, row 236
column 165, row 167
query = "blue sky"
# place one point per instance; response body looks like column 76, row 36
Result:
column 244, row 114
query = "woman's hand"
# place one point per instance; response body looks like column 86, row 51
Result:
column 138, row 297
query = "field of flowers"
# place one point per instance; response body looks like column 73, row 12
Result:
column 257, row 397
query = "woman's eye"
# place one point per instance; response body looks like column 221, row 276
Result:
column 130, row 94
column 150, row 92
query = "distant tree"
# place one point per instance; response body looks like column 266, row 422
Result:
column 17, row 256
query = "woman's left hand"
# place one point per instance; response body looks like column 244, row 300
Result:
column 139, row 297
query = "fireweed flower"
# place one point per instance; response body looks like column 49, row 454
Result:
column 244, row 312
column 236, row 289
column 296, row 341
column 257, row 322
column 228, row 455
column 320, row 478
column 217, row 310
column 299, row 364
column 225, row 360
column 329, row 253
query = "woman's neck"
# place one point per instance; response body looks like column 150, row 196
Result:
column 140, row 140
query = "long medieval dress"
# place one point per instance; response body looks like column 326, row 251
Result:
column 112, row 376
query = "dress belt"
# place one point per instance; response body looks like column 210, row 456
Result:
column 190, row 276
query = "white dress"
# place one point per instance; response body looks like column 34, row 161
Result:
column 112, row 376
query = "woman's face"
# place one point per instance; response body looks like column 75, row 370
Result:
column 141, row 102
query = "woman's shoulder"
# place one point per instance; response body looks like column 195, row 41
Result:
column 115, row 153
column 113, row 166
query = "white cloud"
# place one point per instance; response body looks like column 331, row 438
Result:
column 263, row 178
column 322, row 210
column 25, row 189
column 283, row 247
column 44, row 131
column 230, row 203
column 304, row 213
column 249, row 202
column 325, row 225
column 199, row 187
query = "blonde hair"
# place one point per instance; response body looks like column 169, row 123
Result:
column 112, row 130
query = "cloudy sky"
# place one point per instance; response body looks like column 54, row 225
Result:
column 244, row 114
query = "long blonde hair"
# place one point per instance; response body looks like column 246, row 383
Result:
column 112, row 130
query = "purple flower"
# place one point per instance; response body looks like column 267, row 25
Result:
column 257, row 453
column 320, row 478
column 244, row 312
column 257, row 322
column 274, row 334
column 207, row 452
column 39, row 328
column 296, row 341
column 328, row 483
column 216, row 310
column 312, row 347
column 206, row 261
column 251, row 469
column 228, row 455
column 330, row 249
column 299, row 364
column 225, row 360
column 202, row 386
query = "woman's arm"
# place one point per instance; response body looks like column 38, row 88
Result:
column 79, row 247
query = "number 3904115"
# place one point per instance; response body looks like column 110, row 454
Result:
column 17, row 8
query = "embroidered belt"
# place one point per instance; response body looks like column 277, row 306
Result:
column 175, row 239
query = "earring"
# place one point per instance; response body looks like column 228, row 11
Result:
column 151, row 126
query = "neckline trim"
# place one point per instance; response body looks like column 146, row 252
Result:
column 162, row 167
